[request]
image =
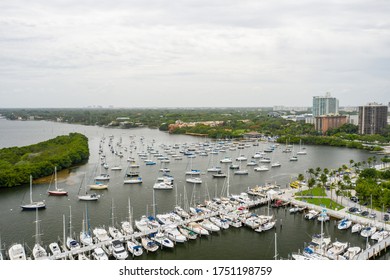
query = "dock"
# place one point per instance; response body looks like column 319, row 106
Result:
column 374, row 250
column 70, row 253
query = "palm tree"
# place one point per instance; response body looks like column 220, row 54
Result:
column 311, row 171
column 300, row 177
column 351, row 161
column 311, row 184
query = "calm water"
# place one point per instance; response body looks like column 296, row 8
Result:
column 293, row 231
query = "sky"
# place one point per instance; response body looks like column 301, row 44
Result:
column 193, row 53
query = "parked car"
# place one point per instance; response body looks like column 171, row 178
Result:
column 386, row 217
column 352, row 209
column 372, row 216
column 364, row 213
column 354, row 199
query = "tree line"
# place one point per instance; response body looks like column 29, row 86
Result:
column 39, row 160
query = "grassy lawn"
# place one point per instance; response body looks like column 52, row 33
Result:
column 326, row 202
column 313, row 192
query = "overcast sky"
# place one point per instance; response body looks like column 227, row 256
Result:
column 193, row 53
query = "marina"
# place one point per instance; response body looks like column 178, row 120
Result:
column 293, row 230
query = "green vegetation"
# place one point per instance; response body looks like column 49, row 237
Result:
column 317, row 191
column 17, row 163
column 234, row 123
column 374, row 184
column 325, row 202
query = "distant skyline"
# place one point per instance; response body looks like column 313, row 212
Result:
column 193, row 53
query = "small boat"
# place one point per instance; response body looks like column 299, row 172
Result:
column 54, row 249
column 148, row 244
column 380, row 235
column 241, row 158
column 99, row 254
column 160, row 239
column 98, row 186
column 193, row 172
column 71, row 243
column 89, row 197
column 214, row 169
column 344, row 224
column 294, row 158
column 312, row 214
column 174, row 234
column 356, row 228
column 265, row 160
column 17, row 252
column 197, row 228
column 226, row 160
column 101, row 234
column 150, row 162
column 181, row 212
column 219, row 222
column 166, row 184
column 276, row 164
column 219, row 174
column 134, row 247
column 188, row 233
column 368, row 231
column 194, row 180
column 127, row 226
column 266, row 226
column 116, row 168
column 57, row 191
column 251, row 163
column 33, row 205
column 234, row 166
column 261, row 168
column 323, row 218
column 351, row 253
column 293, row 210
column 337, row 248
column 208, row 225
column 118, row 250
column 137, row 180
column 102, row 177
column 241, row 172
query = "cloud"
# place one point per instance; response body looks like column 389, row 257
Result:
column 141, row 50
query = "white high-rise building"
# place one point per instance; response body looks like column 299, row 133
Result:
column 325, row 105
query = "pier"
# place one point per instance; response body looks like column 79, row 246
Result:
column 70, row 253
column 374, row 250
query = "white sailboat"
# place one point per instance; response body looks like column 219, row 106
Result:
column 87, row 196
column 149, row 244
column 39, row 253
column 56, row 191
column 85, row 234
column 112, row 230
column 54, row 249
column 302, row 151
column 163, row 241
column 33, row 204
column 127, row 226
column 134, row 247
column 71, row 243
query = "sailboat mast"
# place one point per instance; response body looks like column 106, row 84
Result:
column 276, row 247
column 154, row 205
column 55, row 177
column 70, row 221
column 37, row 239
column 31, row 201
